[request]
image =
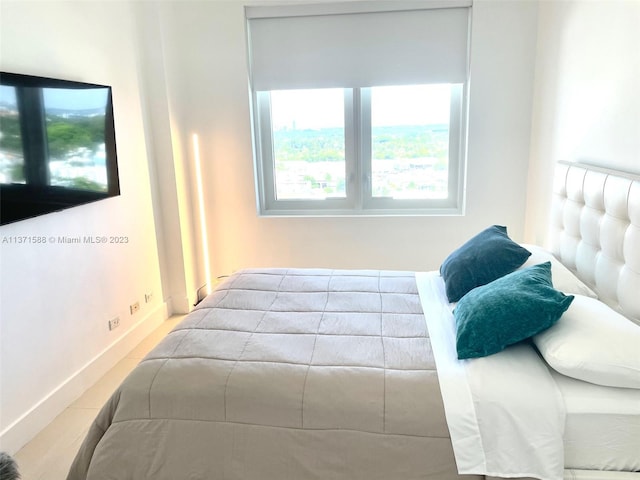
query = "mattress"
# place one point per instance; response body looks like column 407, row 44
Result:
column 283, row 373
column 602, row 427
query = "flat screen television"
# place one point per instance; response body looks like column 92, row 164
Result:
column 57, row 145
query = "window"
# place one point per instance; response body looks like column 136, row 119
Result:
column 308, row 136
column 409, row 138
column 348, row 124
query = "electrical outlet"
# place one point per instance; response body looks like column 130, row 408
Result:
column 134, row 307
column 114, row 323
column 148, row 297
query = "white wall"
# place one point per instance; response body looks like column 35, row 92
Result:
column 587, row 106
column 56, row 299
column 205, row 60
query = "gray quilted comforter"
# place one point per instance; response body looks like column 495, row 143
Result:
column 282, row 374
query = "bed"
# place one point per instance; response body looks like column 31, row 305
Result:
column 343, row 374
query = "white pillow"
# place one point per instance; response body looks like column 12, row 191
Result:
column 563, row 279
column 594, row 343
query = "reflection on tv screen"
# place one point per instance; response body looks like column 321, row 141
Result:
column 57, row 145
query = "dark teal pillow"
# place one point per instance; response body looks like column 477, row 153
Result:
column 511, row 309
column 487, row 256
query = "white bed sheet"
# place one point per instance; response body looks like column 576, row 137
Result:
column 602, row 430
column 504, row 412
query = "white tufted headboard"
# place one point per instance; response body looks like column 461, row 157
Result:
column 595, row 231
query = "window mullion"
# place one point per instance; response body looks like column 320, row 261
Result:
column 352, row 152
column 365, row 145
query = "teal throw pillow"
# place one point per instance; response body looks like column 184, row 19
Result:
column 508, row 310
column 482, row 259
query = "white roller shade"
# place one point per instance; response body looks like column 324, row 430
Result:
column 293, row 48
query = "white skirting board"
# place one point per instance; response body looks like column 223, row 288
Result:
column 20, row 432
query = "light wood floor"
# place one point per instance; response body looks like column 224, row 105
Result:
column 49, row 455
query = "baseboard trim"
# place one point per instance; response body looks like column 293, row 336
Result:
column 21, row 431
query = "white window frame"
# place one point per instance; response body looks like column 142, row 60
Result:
column 359, row 199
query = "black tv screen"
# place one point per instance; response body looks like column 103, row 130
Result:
column 57, row 145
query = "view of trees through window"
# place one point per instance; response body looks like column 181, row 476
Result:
column 310, row 163
column 309, row 143
column 410, row 141
column 408, row 135
column 407, row 162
